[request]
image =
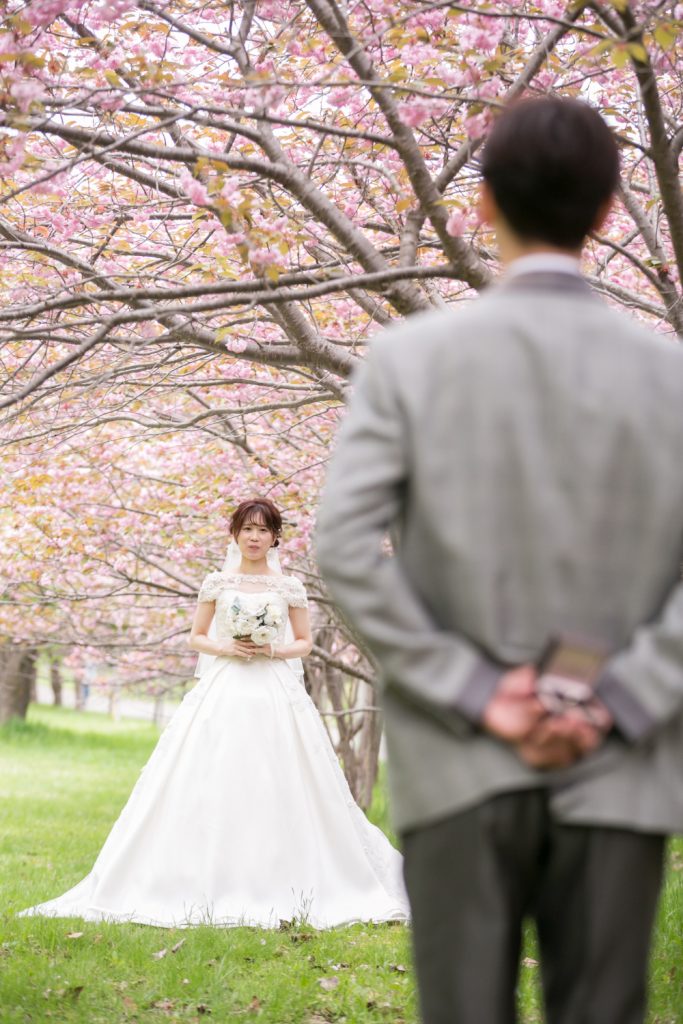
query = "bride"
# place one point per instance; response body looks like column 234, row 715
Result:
column 242, row 815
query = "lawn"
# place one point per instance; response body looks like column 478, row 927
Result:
column 65, row 777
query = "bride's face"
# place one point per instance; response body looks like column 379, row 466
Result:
column 254, row 540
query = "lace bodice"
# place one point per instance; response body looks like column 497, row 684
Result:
column 253, row 590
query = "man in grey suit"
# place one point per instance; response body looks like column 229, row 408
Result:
column 524, row 454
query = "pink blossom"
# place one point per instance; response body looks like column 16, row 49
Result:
column 147, row 329
column 456, row 223
column 110, row 10
column 488, row 90
column 229, row 189
column 109, row 101
column 418, row 53
column 338, row 97
column 42, row 12
column 158, row 47
column 261, row 258
column 482, row 38
column 477, row 125
column 271, row 9
column 194, row 190
column 269, row 96
column 546, row 78
column 27, row 92
column 430, row 19
column 231, row 240
column 236, row 344
column 13, row 154
column 448, row 74
column 189, row 57
column 109, row 267
column 554, row 8
column 381, row 6
column 416, row 111
column 55, row 186
column 275, row 225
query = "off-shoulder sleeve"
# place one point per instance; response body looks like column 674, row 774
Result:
column 211, row 587
column 296, row 593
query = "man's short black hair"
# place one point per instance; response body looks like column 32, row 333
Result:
column 551, row 163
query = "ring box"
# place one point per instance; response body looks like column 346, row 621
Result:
column 568, row 670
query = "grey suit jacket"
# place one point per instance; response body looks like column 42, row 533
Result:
column 526, row 455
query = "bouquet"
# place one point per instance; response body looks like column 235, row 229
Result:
column 258, row 623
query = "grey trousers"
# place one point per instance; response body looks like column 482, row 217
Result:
column 474, row 877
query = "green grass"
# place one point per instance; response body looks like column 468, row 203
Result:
column 65, row 776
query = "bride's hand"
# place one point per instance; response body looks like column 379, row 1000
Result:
column 257, row 650
column 262, row 650
column 238, row 649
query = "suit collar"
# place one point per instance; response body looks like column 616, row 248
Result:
column 546, row 280
column 544, row 262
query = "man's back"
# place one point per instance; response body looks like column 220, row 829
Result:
column 543, row 497
column 540, row 493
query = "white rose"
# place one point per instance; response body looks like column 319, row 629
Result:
column 242, row 625
column 263, row 635
column 272, row 615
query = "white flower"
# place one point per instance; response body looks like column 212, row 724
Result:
column 272, row 614
column 264, row 635
column 242, row 624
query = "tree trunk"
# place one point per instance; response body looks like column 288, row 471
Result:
column 159, row 708
column 368, row 754
column 113, row 709
column 56, row 682
column 17, row 675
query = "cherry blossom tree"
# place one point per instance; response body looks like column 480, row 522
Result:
column 208, row 208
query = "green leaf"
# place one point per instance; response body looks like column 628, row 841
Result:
column 20, row 25
column 602, row 47
column 638, row 52
column 619, row 56
column 665, row 35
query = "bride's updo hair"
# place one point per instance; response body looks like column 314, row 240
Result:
column 257, row 510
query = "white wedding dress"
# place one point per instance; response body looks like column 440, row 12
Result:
column 242, row 815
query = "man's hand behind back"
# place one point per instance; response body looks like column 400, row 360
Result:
column 516, row 716
column 514, row 710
